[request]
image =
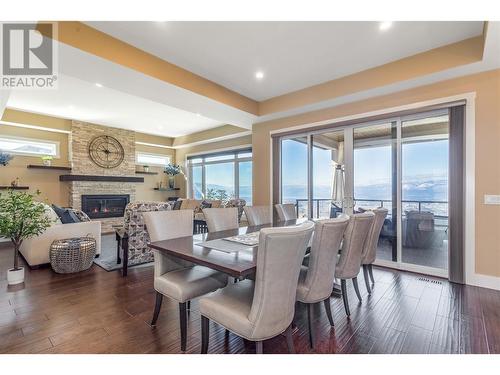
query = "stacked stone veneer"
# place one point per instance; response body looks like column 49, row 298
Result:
column 81, row 135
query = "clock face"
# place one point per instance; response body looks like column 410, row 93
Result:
column 106, row 151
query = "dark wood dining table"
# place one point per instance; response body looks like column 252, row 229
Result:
column 236, row 264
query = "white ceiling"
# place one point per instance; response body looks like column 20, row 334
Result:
column 128, row 99
column 81, row 100
column 292, row 55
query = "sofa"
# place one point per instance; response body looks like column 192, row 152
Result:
column 36, row 250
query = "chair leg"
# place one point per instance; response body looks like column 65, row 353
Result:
column 370, row 269
column 328, row 310
column 289, row 340
column 310, row 324
column 258, row 347
column 356, row 288
column 367, row 281
column 343, row 286
column 189, row 305
column 204, row 334
column 183, row 321
column 159, row 299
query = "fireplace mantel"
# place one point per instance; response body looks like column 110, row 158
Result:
column 81, row 177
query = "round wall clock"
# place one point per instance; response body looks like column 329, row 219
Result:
column 106, row 151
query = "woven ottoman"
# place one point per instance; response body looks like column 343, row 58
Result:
column 72, row 254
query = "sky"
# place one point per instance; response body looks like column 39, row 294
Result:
column 371, row 165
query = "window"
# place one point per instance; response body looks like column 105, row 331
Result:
column 152, row 159
column 221, row 175
column 30, row 147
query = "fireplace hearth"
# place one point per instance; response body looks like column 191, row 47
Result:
column 105, row 206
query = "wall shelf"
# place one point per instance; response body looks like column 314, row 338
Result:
column 143, row 172
column 14, row 187
column 53, row 167
column 167, row 189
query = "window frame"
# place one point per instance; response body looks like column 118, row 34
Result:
column 203, row 163
column 57, row 144
column 151, row 154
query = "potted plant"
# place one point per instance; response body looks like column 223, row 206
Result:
column 172, row 170
column 5, row 158
column 145, row 168
column 21, row 217
column 47, row 160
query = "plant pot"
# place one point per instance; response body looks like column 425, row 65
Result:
column 171, row 182
column 47, row 163
column 15, row 276
column 146, row 169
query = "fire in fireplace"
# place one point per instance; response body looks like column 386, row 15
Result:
column 104, row 206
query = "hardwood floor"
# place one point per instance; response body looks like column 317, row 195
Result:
column 100, row 312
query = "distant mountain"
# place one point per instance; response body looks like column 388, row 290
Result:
column 417, row 189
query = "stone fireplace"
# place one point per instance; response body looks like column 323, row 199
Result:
column 82, row 165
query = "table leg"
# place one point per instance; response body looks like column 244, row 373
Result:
column 118, row 245
column 125, row 256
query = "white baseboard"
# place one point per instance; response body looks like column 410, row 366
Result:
column 484, row 281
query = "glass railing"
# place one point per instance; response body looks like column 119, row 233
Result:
column 322, row 206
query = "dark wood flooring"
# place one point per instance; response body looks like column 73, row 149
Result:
column 100, row 312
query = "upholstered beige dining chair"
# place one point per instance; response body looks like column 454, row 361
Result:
column 316, row 280
column 286, row 211
column 177, row 279
column 261, row 309
column 258, row 215
column 349, row 263
column 218, row 219
column 371, row 243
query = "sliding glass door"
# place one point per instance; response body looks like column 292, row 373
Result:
column 400, row 164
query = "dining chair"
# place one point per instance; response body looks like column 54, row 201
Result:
column 286, row 211
column 371, row 244
column 316, row 281
column 219, row 219
column 258, row 215
column 175, row 278
column 262, row 309
column 349, row 263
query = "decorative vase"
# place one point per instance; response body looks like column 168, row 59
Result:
column 15, row 276
column 146, row 169
column 171, row 182
column 47, row 162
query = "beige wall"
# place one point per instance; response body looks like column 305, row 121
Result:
column 182, row 153
column 145, row 191
column 47, row 181
column 487, row 178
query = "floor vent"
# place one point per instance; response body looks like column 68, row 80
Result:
column 424, row 279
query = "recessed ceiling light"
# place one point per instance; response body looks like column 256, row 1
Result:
column 259, row 74
column 385, row 25
column 98, row 85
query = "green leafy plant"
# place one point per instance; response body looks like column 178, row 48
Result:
column 47, row 157
column 21, row 217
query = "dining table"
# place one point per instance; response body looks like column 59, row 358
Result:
column 237, row 264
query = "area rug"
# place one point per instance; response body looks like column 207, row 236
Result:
column 107, row 259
